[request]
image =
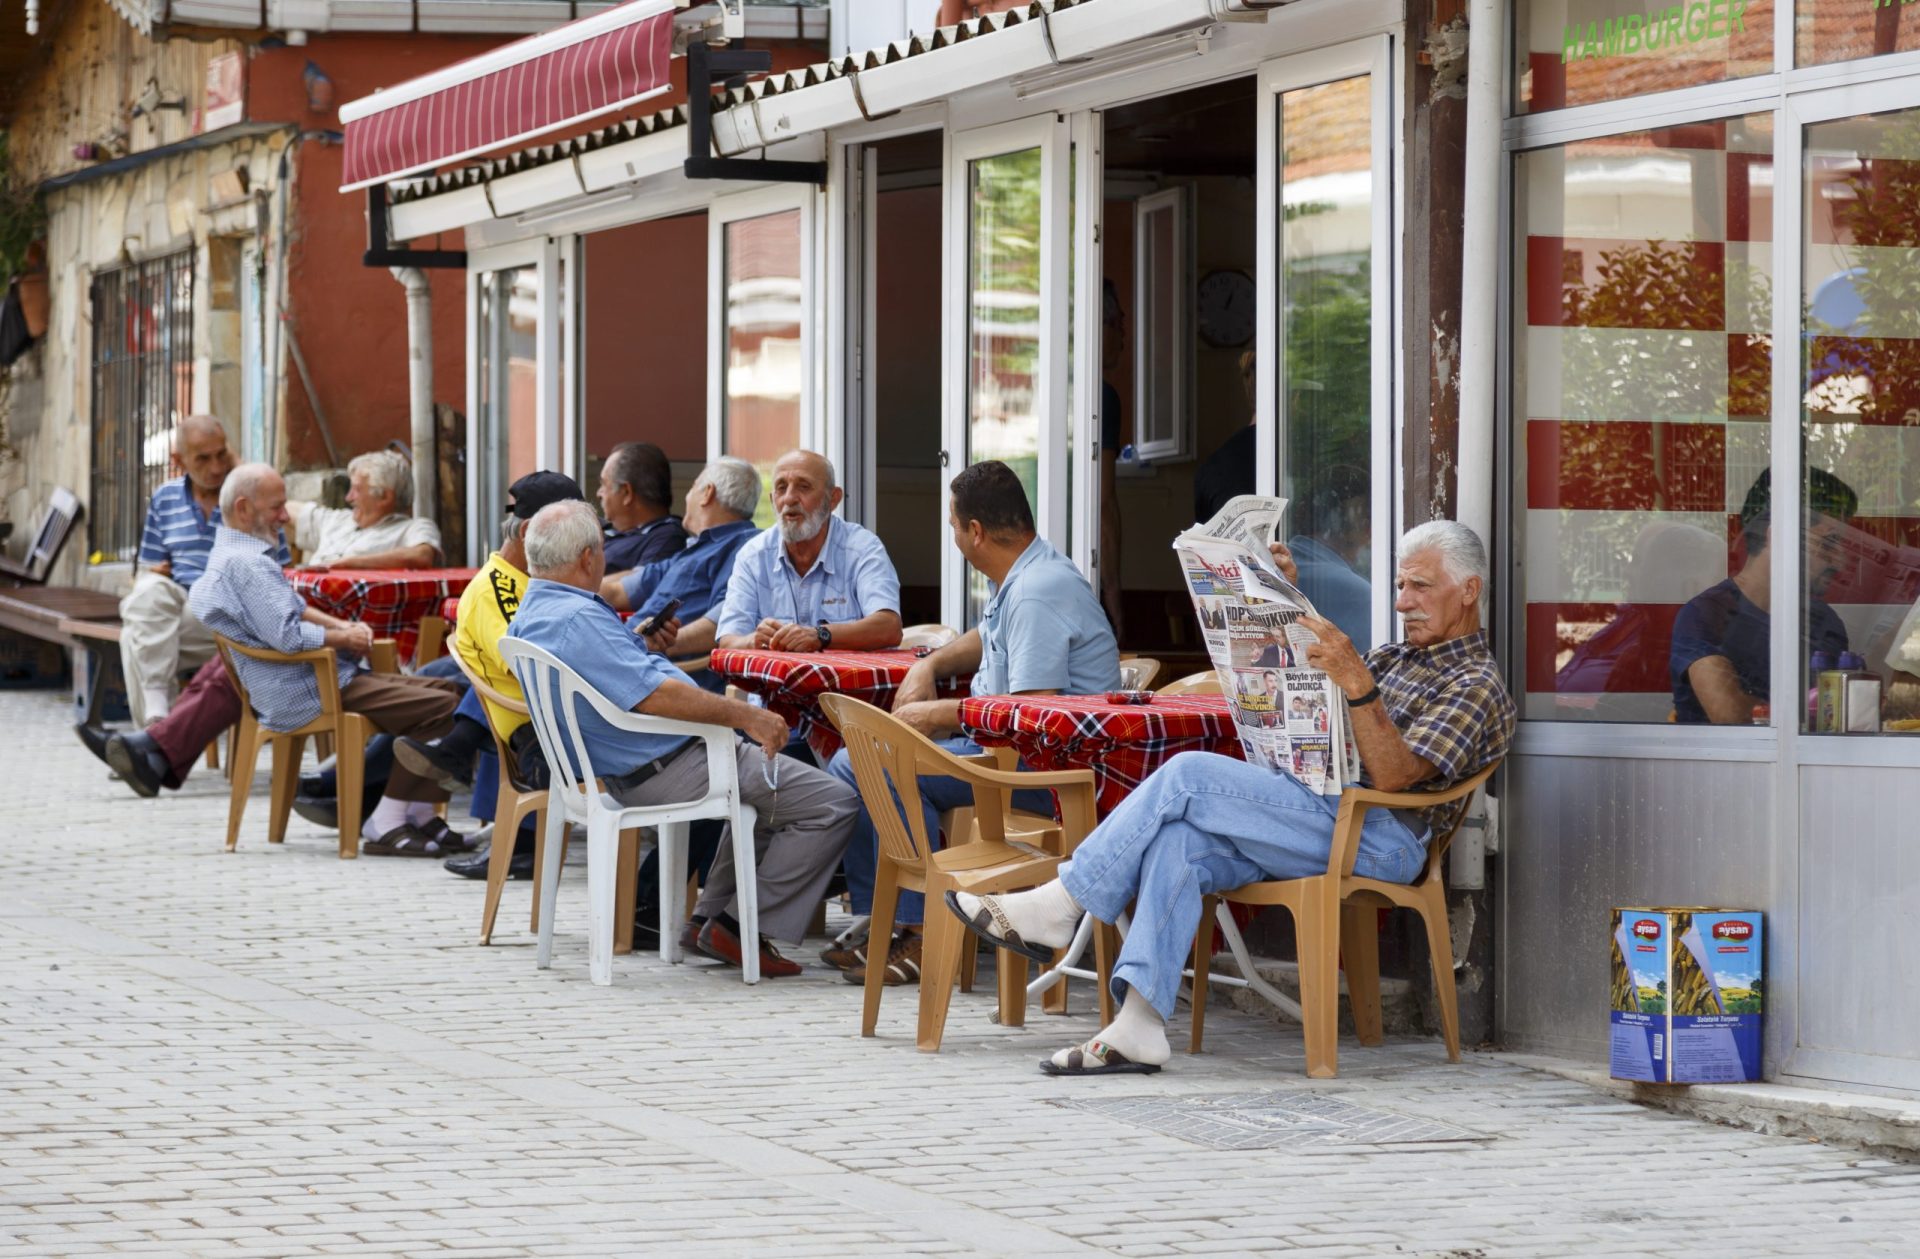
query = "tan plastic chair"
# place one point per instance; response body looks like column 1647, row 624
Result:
column 1138, row 672
column 927, row 635
column 1205, row 682
column 347, row 731
column 885, row 751
column 433, row 634
column 1335, row 918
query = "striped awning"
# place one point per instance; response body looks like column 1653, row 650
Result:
column 573, row 72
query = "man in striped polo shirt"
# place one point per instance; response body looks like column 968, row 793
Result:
column 159, row 635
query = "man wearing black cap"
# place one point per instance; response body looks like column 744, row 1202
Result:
column 1721, row 659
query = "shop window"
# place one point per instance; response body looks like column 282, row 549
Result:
column 1844, row 30
column 142, row 388
column 765, row 376
column 1579, row 52
column 1861, row 423
column 1641, row 397
column 1163, row 423
column 509, row 380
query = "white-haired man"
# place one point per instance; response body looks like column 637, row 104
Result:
column 158, row 634
column 802, row 828
column 719, row 514
column 1431, row 711
column 374, row 529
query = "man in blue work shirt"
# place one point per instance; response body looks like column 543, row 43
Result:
column 801, row 829
column 1043, row 633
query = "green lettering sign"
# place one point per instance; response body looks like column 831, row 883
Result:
column 1632, row 34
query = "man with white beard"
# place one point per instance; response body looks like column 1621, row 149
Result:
column 810, row 582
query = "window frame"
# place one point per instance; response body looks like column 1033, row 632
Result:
column 737, row 207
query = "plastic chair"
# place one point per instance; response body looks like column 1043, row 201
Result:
column 1335, row 917
column 927, row 635
column 1138, row 672
column 347, row 731
column 1205, row 682
column 553, row 692
column 884, row 752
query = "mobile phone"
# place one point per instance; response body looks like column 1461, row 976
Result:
column 660, row 618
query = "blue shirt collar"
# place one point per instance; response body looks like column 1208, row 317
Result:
column 1036, row 552
column 561, row 588
column 824, row 564
column 234, row 538
column 720, row 533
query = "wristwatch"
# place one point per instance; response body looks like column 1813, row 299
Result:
column 826, row 635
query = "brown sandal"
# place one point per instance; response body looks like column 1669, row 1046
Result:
column 991, row 916
column 404, row 841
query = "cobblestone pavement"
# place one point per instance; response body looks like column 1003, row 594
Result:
column 278, row 1053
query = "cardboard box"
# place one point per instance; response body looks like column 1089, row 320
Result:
column 1688, row 995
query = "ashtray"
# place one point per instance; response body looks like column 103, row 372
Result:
column 1130, row 697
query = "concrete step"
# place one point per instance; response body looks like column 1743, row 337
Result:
column 1399, row 1005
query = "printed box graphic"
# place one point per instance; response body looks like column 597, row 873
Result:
column 1688, row 994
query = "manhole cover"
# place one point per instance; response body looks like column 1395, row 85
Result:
column 1267, row 1121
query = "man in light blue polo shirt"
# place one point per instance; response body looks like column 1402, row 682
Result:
column 802, row 827
column 1042, row 633
column 813, row 580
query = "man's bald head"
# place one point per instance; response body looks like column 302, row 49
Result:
column 200, row 448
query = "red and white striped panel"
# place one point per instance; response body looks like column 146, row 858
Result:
column 593, row 66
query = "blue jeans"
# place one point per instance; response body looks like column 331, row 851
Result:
column 1207, row 823
column 938, row 793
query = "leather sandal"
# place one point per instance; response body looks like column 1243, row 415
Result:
column 992, row 925
column 1096, row 1057
column 403, row 841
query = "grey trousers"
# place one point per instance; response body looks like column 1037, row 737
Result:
column 802, row 830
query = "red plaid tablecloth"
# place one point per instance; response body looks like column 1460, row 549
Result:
column 450, row 609
column 793, row 682
column 1120, row 743
column 390, row 600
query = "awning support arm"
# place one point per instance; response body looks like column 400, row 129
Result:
column 731, row 66
column 381, row 254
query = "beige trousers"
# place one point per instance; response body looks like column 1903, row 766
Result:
column 158, row 638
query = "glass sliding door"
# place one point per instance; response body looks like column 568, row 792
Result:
column 514, row 378
column 1006, row 362
column 1325, row 394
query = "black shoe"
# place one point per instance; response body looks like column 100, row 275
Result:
column 322, row 811
column 94, row 738
column 139, row 761
column 473, row 865
column 646, row 931
column 320, row 786
column 429, row 760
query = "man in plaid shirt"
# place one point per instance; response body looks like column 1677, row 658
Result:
column 1428, row 711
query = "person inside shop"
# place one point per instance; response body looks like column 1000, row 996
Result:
column 1113, row 355
column 1229, row 471
column 803, row 823
column 811, row 580
column 376, row 529
column 1428, row 712
column 636, row 497
column 1720, row 662
column 1332, row 527
column 1042, row 633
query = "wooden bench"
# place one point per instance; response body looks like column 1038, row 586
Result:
column 85, row 622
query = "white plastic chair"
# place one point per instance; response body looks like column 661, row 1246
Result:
column 552, row 691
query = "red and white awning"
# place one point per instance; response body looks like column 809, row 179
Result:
column 597, row 64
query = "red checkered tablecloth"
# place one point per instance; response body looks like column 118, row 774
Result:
column 390, row 600
column 792, row 683
column 1120, row 743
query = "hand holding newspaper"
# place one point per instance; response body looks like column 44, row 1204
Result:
column 1289, row 715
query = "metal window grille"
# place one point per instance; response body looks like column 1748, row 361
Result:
column 142, row 387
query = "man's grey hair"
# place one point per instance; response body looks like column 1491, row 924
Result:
column 386, row 470
column 198, row 422
column 514, row 529
column 243, row 482
column 735, row 484
column 1459, row 548
column 558, row 533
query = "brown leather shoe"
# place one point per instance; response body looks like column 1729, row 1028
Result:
column 903, row 962
column 690, row 939
column 716, row 941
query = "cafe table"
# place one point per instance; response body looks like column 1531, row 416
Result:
column 792, row 683
column 391, row 601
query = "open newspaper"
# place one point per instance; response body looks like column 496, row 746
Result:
column 1289, row 715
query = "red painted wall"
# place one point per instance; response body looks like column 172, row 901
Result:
column 646, row 336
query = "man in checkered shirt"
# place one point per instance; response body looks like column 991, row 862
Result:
column 1431, row 711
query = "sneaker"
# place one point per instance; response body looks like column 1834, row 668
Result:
column 846, row 955
column 903, row 962
column 431, row 761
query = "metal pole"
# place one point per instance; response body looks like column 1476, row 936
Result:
column 1479, row 263
column 420, row 387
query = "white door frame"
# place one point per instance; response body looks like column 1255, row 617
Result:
column 1049, row 134
column 1089, row 203
column 549, row 371
column 752, row 205
column 1373, row 56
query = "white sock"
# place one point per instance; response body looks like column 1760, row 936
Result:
column 1047, row 915
column 1138, row 1032
column 389, row 814
column 159, row 701
column 418, row 811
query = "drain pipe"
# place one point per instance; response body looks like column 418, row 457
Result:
column 426, row 462
column 1479, row 262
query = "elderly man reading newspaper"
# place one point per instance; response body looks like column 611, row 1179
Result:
column 1431, row 710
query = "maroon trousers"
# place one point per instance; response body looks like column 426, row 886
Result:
column 208, row 705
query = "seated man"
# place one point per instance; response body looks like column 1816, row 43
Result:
column 636, row 496
column 158, row 633
column 375, row 529
column 245, row 595
column 719, row 515
column 810, row 581
column 1721, row 660
column 1430, row 710
column 1042, row 633
column 802, row 827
